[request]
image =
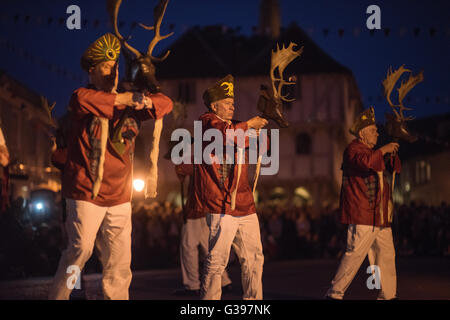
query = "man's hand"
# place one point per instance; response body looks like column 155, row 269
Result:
column 141, row 101
column 389, row 148
column 136, row 100
column 257, row 123
column 148, row 103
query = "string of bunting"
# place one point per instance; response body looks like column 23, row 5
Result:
column 61, row 21
column 403, row 31
column 25, row 54
column 77, row 77
column 432, row 32
column 427, row 99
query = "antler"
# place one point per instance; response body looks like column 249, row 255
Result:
column 158, row 13
column 405, row 87
column 389, row 84
column 48, row 109
column 281, row 59
column 113, row 10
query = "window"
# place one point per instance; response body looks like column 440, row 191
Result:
column 303, row 143
column 423, row 171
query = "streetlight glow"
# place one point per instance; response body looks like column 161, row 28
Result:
column 138, row 185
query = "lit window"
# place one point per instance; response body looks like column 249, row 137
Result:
column 423, row 171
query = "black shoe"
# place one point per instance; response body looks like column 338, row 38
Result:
column 187, row 292
column 227, row 289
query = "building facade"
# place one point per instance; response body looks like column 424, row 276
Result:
column 425, row 176
column 25, row 125
column 327, row 102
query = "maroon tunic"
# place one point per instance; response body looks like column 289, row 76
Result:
column 213, row 196
column 116, row 184
column 187, row 170
column 360, row 193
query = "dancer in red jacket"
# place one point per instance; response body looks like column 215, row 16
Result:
column 97, row 176
column 222, row 192
column 364, row 206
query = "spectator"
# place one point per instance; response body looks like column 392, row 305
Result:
column 286, row 233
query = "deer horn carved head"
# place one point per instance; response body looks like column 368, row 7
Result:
column 396, row 124
column 140, row 66
column 271, row 103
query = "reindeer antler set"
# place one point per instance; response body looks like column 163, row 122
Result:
column 142, row 72
column 271, row 103
column 48, row 110
column 396, row 125
column 280, row 59
column 141, row 77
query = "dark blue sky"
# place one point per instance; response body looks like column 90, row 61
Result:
column 28, row 47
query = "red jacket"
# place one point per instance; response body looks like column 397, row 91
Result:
column 116, row 185
column 360, row 193
column 210, row 196
column 188, row 170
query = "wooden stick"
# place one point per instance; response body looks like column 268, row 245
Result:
column 258, row 167
column 234, row 193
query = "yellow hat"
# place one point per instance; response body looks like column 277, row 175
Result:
column 222, row 89
column 365, row 119
column 105, row 48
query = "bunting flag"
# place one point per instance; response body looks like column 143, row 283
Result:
column 416, row 32
column 427, row 99
column 80, row 78
column 26, row 55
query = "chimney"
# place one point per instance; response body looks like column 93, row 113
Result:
column 269, row 18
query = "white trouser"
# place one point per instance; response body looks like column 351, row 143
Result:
column 194, row 245
column 243, row 234
column 361, row 241
column 113, row 242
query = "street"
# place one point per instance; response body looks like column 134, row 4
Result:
column 418, row 278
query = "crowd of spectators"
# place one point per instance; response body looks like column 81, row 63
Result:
column 30, row 246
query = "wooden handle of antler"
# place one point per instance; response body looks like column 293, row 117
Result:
column 391, row 204
column 234, row 193
column 381, row 183
column 258, row 169
column 152, row 180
